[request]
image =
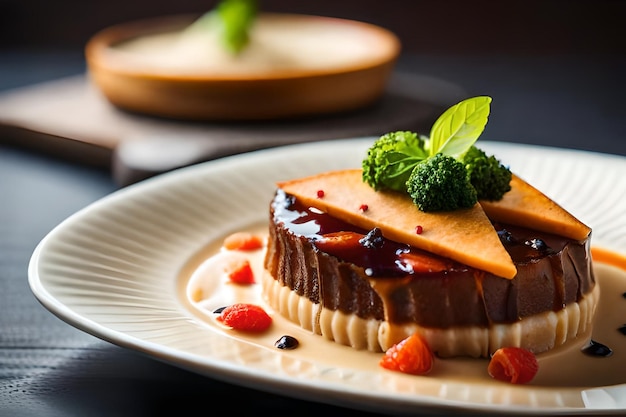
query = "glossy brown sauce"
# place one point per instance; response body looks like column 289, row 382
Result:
column 524, row 245
column 552, row 272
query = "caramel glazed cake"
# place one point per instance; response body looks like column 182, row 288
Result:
column 366, row 291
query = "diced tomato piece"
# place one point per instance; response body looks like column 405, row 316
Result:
column 239, row 271
column 411, row 356
column 422, row 263
column 513, row 364
column 243, row 241
column 341, row 244
column 245, row 317
column 339, row 240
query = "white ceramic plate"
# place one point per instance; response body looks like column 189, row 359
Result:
column 118, row 270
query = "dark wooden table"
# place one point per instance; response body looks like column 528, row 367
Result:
column 48, row 368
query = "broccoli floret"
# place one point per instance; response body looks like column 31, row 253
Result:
column 441, row 183
column 391, row 159
column 489, row 177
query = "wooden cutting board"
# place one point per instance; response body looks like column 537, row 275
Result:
column 70, row 119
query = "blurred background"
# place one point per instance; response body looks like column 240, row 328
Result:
column 424, row 26
column 555, row 68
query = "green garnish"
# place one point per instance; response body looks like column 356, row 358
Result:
column 234, row 18
column 459, row 127
column 237, row 17
column 444, row 171
column 489, row 177
column 440, row 183
column 391, row 159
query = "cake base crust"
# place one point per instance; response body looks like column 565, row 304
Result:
column 537, row 333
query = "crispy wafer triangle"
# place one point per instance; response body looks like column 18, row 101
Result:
column 465, row 235
column 526, row 206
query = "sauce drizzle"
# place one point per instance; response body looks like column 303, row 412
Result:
column 594, row 348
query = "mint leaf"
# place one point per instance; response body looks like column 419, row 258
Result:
column 458, row 128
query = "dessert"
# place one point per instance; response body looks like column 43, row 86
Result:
column 367, row 268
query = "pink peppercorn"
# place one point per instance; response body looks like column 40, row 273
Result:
column 320, row 193
column 419, row 229
column 363, row 207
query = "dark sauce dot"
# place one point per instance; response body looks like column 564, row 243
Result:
column 594, row 348
column 287, row 342
column 506, row 236
column 622, row 329
column 219, row 310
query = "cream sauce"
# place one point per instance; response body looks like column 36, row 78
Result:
column 207, row 288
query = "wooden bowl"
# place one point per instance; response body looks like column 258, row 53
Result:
column 303, row 66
